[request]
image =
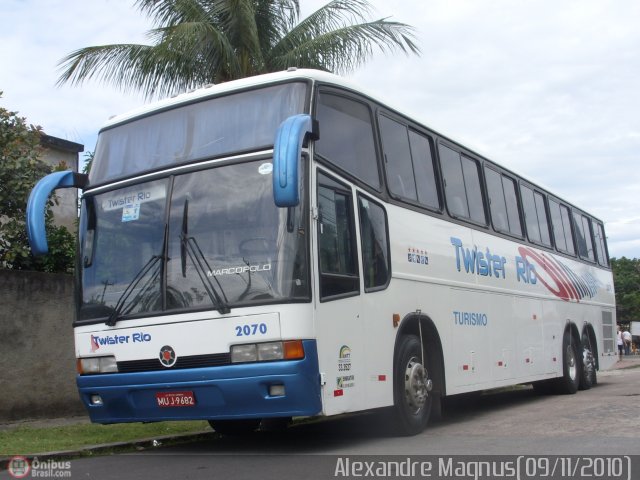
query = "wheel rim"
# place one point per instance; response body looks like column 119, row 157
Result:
column 417, row 385
column 588, row 361
column 571, row 363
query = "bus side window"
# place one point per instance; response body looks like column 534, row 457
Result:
column 346, row 137
column 562, row 231
column 397, row 159
column 462, row 187
column 336, row 240
column 375, row 244
column 601, row 249
column 535, row 215
column 424, row 169
column 583, row 236
column 503, row 202
column 409, row 163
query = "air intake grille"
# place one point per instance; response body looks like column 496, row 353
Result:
column 608, row 333
column 193, row 361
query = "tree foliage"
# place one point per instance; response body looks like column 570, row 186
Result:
column 20, row 169
column 626, row 278
column 197, row 42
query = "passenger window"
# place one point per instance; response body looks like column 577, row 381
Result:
column 424, row 170
column 503, row 202
column 375, row 244
column 543, row 219
column 408, row 163
column 530, row 214
column 336, row 239
column 568, row 231
column 600, row 241
column 397, row 159
column 453, row 182
column 497, row 203
column 346, row 137
column 462, row 185
column 583, row 236
column 561, row 223
column 535, row 216
column 471, row 173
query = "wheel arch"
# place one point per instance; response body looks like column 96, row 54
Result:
column 414, row 323
column 572, row 329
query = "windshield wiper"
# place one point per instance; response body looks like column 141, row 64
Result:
column 123, row 305
column 189, row 247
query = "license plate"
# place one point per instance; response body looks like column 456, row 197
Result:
column 175, row 399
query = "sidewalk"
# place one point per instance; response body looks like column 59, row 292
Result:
column 627, row 361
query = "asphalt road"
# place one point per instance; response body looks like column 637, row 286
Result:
column 602, row 421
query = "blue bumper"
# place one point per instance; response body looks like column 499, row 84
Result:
column 225, row 392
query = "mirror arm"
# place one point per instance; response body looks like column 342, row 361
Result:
column 286, row 156
column 37, row 205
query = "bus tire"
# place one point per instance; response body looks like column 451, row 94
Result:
column 588, row 377
column 571, row 366
column 235, row 427
column 412, row 397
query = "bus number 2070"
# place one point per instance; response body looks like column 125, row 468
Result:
column 253, row 329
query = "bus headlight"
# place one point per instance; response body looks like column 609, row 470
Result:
column 93, row 365
column 266, row 352
column 270, row 351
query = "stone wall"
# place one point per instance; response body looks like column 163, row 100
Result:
column 37, row 353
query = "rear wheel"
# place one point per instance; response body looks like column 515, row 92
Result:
column 588, row 378
column 235, row 427
column 572, row 370
column 412, row 387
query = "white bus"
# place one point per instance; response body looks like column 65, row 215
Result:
column 288, row 246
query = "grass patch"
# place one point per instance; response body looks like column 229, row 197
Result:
column 29, row 440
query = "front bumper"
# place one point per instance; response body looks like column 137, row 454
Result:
column 225, row 392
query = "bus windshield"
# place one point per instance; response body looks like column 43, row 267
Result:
column 236, row 122
column 217, row 242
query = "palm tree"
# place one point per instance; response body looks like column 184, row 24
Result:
column 196, row 42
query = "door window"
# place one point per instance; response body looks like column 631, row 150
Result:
column 336, row 240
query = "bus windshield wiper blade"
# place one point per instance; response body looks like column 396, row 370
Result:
column 189, row 247
column 123, row 305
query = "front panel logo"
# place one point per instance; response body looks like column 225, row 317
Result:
column 94, row 343
column 167, row 356
column 137, row 337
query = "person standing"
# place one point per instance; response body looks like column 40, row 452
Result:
column 626, row 338
column 620, row 342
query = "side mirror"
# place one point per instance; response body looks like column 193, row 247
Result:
column 36, row 206
column 286, row 156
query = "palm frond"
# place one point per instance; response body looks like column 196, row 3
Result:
column 171, row 12
column 344, row 49
column 202, row 41
column 174, row 65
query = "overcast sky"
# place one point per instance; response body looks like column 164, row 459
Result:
column 548, row 88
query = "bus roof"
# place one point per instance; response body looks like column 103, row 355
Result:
column 303, row 74
column 233, row 85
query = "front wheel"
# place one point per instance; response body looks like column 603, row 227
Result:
column 412, row 387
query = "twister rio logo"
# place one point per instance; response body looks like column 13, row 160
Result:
column 557, row 277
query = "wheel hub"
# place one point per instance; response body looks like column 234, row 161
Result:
column 417, row 385
column 571, row 362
